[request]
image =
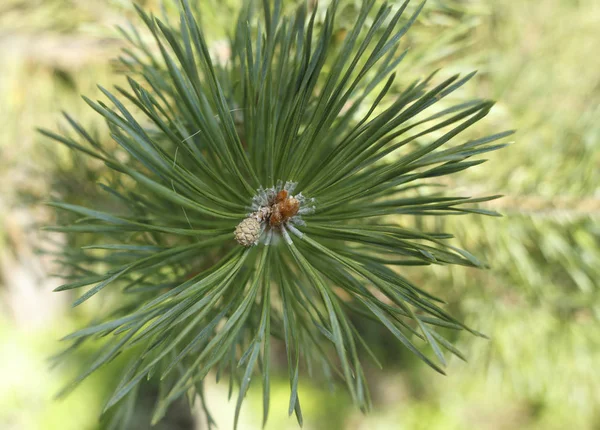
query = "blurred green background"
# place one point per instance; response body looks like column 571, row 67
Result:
column 539, row 303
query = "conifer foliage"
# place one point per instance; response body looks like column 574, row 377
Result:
column 261, row 200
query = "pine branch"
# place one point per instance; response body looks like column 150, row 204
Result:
column 295, row 150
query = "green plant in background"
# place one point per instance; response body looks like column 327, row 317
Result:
column 259, row 197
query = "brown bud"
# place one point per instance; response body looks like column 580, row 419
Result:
column 289, row 208
column 281, row 196
column 276, row 217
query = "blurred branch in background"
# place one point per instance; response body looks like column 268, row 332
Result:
column 540, row 301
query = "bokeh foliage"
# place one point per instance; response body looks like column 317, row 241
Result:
column 540, row 300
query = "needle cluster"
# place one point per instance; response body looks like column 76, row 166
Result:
column 198, row 138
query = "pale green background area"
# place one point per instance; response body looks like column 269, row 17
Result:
column 540, row 301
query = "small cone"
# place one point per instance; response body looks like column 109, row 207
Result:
column 247, row 232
